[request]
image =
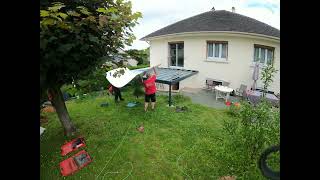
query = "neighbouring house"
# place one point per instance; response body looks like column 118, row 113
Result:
column 109, row 64
column 220, row 45
column 122, row 58
column 131, row 61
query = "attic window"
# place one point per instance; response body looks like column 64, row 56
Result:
column 217, row 50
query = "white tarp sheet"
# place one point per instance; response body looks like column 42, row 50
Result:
column 117, row 79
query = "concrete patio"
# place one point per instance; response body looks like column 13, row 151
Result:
column 207, row 98
column 204, row 97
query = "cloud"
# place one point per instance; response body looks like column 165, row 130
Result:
column 160, row 13
column 270, row 6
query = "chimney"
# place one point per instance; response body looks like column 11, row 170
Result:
column 233, row 9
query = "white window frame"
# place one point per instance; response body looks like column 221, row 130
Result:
column 213, row 58
column 176, row 44
column 265, row 63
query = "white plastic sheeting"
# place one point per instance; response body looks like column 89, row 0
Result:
column 125, row 78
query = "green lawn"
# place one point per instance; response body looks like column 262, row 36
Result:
column 173, row 145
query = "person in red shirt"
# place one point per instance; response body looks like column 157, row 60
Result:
column 150, row 90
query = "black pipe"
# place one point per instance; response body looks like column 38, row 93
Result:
column 169, row 94
column 265, row 169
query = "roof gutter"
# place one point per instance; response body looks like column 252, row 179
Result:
column 202, row 33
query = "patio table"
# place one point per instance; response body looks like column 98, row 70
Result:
column 223, row 90
column 255, row 97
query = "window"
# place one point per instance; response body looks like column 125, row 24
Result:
column 217, row 50
column 176, row 54
column 263, row 54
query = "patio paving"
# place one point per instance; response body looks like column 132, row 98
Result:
column 204, row 97
column 207, row 98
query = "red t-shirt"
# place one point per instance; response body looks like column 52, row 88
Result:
column 150, row 85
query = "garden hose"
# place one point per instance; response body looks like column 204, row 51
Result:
column 263, row 166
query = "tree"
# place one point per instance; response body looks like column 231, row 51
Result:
column 267, row 77
column 140, row 55
column 147, row 52
column 74, row 38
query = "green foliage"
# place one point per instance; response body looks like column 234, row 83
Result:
column 234, row 110
column 137, row 87
column 189, row 145
column 70, row 89
column 248, row 134
column 140, row 55
column 74, row 35
column 267, row 75
column 173, row 146
column 179, row 99
column 138, row 67
column 273, row 161
column 95, row 81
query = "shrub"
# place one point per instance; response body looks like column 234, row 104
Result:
column 137, row 87
column 248, row 133
column 70, row 89
column 179, row 99
column 234, row 110
column 267, row 75
column 138, row 67
column 140, row 55
column 95, row 81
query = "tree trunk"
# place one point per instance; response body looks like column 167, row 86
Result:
column 61, row 109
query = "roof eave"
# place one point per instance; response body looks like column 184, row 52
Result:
column 146, row 38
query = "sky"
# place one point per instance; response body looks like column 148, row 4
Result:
column 157, row 14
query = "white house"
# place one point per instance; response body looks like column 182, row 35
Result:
column 132, row 62
column 221, row 45
column 126, row 59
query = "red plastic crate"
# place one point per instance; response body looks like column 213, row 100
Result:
column 68, row 147
column 69, row 166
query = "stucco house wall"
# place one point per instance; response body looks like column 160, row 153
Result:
column 237, row 70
